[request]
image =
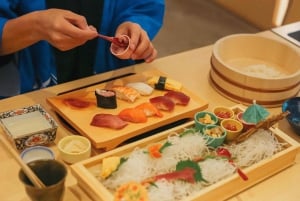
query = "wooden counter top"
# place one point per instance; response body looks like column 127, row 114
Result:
column 192, row 69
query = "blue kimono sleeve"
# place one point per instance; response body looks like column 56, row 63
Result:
column 147, row 13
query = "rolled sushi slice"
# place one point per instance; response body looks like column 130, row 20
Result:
column 106, row 98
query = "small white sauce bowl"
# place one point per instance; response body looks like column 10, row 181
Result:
column 74, row 148
column 121, row 52
column 37, row 153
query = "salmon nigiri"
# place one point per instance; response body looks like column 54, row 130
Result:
column 149, row 109
column 133, row 115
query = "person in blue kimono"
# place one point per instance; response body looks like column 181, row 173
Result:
column 45, row 42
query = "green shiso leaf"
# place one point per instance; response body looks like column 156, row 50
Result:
column 191, row 164
column 122, row 160
column 187, row 131
column 165, row 145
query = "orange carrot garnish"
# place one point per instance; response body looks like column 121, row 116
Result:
column 154, row 150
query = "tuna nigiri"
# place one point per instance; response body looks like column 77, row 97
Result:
column 149, row 109
column 179, row 98
column 162, row 103
column 133, row 115
column 108, row 120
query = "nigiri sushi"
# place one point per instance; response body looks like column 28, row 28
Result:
column 133, row 115
column 149, row 109
column 126, row 93
column 164, row 83
column 179, row 98
column 143, row 88
column 162, row 103
column 108, row 120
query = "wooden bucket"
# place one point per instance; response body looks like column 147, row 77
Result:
column 247, row 67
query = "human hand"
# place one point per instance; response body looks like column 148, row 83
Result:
column 64, row 29
column 140, row 45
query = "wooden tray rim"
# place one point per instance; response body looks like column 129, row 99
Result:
column 109, row 144
column 98, row 191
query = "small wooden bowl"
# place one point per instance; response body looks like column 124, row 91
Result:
column 247, row 67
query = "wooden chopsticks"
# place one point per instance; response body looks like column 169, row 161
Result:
column 27, row 170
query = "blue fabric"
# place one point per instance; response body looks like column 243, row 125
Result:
column 36, row 64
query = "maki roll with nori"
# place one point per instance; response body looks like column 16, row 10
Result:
column 106, row 98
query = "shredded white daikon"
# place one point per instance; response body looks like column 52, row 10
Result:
column 214, row 170
column 263, row 144
column 137, row 168
column 140, row 165
column 169, row 191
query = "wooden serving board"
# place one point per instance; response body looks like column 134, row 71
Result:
column 80, row 118
column 86, row 171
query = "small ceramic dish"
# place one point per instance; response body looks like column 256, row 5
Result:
column 223, row 112
column 37, row 153
column 293, row 106
column 74, row 148
column 233, row 128
column 246, row 125
column 203, row 119
column 215, row 135
column 121, row 52
column 29, row 126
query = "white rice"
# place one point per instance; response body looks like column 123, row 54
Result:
column 263, row 71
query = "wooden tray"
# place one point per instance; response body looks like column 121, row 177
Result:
column 108, row 138
column 84, row 171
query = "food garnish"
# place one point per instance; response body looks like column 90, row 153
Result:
column 223, row 114
column 155, row 150
column 223, row 152
column 131, row 191
column 206, row 119
column 230, row 127
column 215, row 132
column 109, row 165
column 264, row 124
